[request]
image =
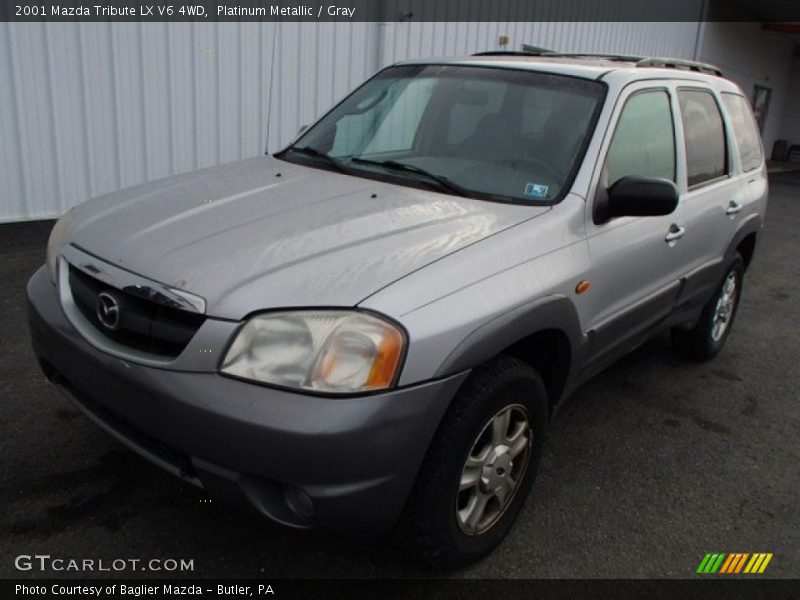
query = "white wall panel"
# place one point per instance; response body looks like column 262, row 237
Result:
column 13, row 194
column 31, row 89
column 88, row 108
column 99, row 110
column 417, row 40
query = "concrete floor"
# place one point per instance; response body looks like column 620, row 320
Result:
column 649, row 466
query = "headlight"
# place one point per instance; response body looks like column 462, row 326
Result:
column 328, row 351
column 55, row 241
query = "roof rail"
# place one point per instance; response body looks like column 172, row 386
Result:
column 534, row 49
column 640, row 61
column 509, row 53
column 620, row 57
column 528, row 50
column 678, row 63
column 525, row 50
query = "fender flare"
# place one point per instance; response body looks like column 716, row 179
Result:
column 555, row 312
column 751, row 225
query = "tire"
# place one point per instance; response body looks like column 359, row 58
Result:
column 703, row 341
column 435, row 522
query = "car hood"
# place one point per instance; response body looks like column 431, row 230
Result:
column 264, row 233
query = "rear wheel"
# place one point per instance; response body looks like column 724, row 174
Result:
column 480, row 466
column 704, row 341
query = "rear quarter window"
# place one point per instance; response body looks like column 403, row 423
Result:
column 745, row 131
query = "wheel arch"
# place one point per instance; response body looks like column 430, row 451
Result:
column 545, row 334
column 744, row 240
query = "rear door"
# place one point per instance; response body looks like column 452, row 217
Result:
column 637, row 262
column 748, row 160
column 715, row 191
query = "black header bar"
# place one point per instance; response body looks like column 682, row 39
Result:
column 394, row 10
column 711, row 588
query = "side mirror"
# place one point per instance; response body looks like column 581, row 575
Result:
column 636, row 197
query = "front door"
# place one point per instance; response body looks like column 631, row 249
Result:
column 637, row 262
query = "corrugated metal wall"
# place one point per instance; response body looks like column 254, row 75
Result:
column 88, row 108
column 94, row 107
column 416, row 40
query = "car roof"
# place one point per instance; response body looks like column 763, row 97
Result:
column 619, row 70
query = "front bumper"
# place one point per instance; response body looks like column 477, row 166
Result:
column 304, row 461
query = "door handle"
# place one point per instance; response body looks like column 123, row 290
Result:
column 675, row 233
column 733, row 208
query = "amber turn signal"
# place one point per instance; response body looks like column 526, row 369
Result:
column 384, row 368
column 582, row 287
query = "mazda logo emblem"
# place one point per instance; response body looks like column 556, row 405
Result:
column 107, row 310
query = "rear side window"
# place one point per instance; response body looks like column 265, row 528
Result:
column 704, row 135
column 644, row 141
column 745, row 130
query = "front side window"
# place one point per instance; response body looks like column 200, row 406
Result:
column 745, row 130
column 704, row 135
column 644, row 140
column 497, row 134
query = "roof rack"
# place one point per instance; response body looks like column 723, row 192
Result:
column 639, row 61
column 677, row 63
column 620, row 57
column 506, row 53
column 528, row 50
column 525, row 50
column 534, row 49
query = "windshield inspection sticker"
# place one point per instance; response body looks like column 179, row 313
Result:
column 536, row 190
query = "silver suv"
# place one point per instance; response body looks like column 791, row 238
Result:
column 373, row 326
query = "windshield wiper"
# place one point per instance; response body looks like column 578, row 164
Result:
column 394, row 165
column 314, row 153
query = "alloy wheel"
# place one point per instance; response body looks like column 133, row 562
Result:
column 723, row 312
column 493, row 470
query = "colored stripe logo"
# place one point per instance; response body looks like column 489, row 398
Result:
column 734, row 563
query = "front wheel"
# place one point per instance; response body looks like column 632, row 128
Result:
column 480, row 466
column 703, row 341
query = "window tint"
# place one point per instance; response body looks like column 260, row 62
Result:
column 704, row 135
column 644, row 141
column 745, row 130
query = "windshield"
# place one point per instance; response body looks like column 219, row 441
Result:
column 500, row 134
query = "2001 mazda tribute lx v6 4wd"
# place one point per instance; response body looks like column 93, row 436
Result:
column 373, row 326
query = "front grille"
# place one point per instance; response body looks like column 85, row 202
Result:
column 143, row 325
